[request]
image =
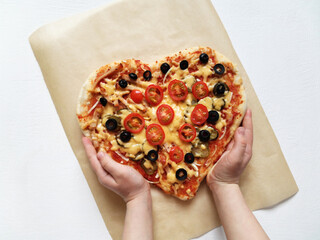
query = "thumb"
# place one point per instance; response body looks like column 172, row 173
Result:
column 239, row 146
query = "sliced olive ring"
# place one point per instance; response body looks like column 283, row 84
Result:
column 145, row 164
column 200, row 150
column 103, row 101
column 164, row 68
column 219, row 69
column 188, row 158
column 204, row 58
column 111, row 124
column 184, row 64
column 214, row 134
column 181, row 174
column 204, row 135
column 125, row 136
column 123, row 83
column 220, row 89
column 147, row 75
column 152, row 155
column 133, row 76
column 213, row 117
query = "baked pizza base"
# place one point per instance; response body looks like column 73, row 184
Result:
column 104, row 82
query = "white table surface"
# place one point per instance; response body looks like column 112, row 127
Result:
column 43, row 193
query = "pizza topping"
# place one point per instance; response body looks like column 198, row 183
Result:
column 103, row 101
column 136, row 96
column 176, row 154
column 148, row 166
column 184, row 64
column 164, row 68
column 189, row 158
column 152, row 155
column 125, row 136
column 154, row 94
column 199, row 114
column 165, row 114
column 147, row 75
column 213, row 134
column 111, row 124
column 155, row 134
column 204, row 135
column 213, row 117
column 200, row 150
column 219, row 103
column 189, row 81
column 181, row 174
column 200, row 90
column 220, row 89
column 123, row 83
column 187, row 132
column 178, row 91
column 133, row 76
column 219, row 69
column 204, row 58
column 134, row 123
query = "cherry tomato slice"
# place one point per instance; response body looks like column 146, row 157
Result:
column 187, row 132
column 154, row 94
column 155, row 134
column 178, row 91
column 165, row 114
column 134, row 123
column 136, row 96
column 176, row 154
column 199, row 114
column 200, row 90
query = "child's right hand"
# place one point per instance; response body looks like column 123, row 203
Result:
column 235, row 159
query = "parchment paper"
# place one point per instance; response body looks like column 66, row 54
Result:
column 70, row 49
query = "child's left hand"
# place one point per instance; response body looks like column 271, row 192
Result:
column 121, row 179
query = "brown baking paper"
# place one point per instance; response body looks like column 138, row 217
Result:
column 70, row 49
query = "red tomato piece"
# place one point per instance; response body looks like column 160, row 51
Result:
column 200, row 90
column 199, row 114
column 187, row 132
column 178, row 91
column 165, row 114
column 154, row 94
column 136, row 96
column 176, row 154
column 155, row 134
column 134, row 123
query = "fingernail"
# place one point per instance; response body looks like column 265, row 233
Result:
column 100, row 154
column 241, row 130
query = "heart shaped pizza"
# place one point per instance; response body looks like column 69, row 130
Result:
column 171, row 120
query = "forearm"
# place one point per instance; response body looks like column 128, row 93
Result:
column 138, row 220
column 236, row 218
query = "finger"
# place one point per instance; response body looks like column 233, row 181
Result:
column 239, row 145
column 230, row 145
column 102, row 175
column 108, row 164
column 247, row 124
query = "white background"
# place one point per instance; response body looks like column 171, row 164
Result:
column 43, row 193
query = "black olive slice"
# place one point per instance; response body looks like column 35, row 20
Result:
column 213, row 134
column 219, row 69
column 152, row 155
column 181, row 174
column 147, row 75
column 220, row 89
column 111, row 124
column 123, row 83
column 204, row 58
column 103, row 101
column 184, row 64
column 125, row 136
column 164, row 68
column 213, row 117
column 189, row 158
column 133, row 76
column 204, row 135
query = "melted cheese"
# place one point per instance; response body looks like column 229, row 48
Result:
column 207, row 101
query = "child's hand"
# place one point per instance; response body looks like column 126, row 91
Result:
column 235, row 159
column 121, row 179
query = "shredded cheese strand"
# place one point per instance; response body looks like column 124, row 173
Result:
column 165, row 76
column 93, row 107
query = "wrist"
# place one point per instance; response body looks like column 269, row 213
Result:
column 141, row 197
column 218, row 186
